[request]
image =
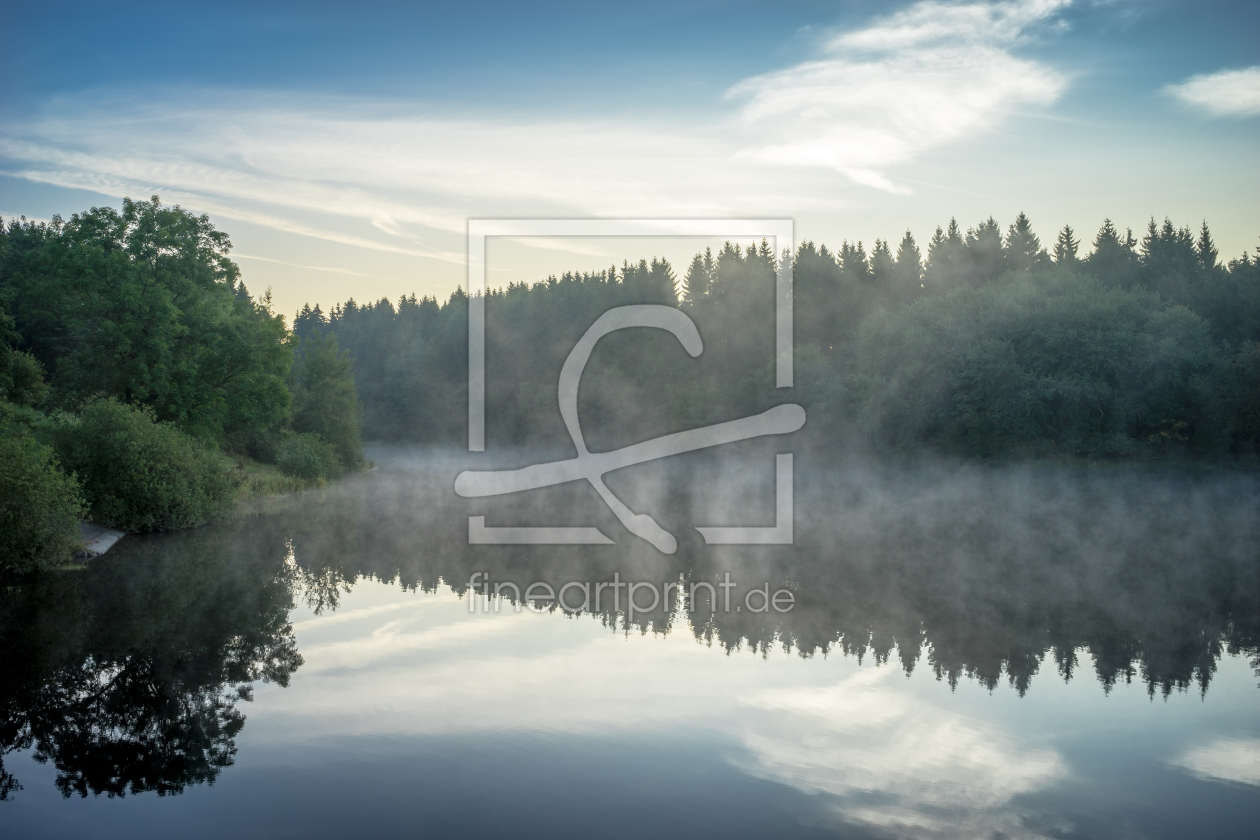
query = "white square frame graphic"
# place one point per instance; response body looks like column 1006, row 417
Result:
column 781, row 231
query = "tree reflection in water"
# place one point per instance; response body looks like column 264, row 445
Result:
column 127, row 675
column 987, row 573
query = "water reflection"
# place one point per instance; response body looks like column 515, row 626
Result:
column 984, row 573
column 130, row 675
column 1228, row 759
column 886, row 758
column 127, row 676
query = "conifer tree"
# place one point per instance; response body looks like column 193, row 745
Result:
column 1168, row 261
column 909, row 272
column 1113, row 260
column 946, row 258
column 883, row 268
column 1066, row 247
column 766, row 253
column 661, row 283
column 1206, row 248
column 1023, row 248
column 696, row 281
column 853, row 262
column 985, row 259
column 728, row 270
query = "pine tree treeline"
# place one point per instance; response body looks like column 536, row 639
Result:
column 1139, row 346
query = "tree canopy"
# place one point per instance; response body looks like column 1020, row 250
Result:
column 144, row 305
column 990, row 346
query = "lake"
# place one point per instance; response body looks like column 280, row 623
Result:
column 944, row 651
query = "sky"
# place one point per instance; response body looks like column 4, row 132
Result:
column 344, row 146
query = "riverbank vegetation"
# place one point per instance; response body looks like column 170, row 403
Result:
column 143, row 383
column 139, row 375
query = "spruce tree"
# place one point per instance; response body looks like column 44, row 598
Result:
column 947, row 258
column 853, row 263
column 696, row 281
column 1113, row 260
column 984, row 258
column 1206, row 248
column 909, row 273
column 883, row 269
column 1066, row 247
column 1023, row 248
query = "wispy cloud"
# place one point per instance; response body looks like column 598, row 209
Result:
column 1228, row 759
column 402, row 177
column 933, row 73
column 896, row 763
column 1226, row 93
column 868, row 750
column 312, row 167
column 331, row 269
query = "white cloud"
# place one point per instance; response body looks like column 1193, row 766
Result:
column 952, row 23
column 388, row 182
column 1227, row 93
column 1230, row 759
column 936, row 773
column 237, row 255
column 399, row 178
column 873, row 750
column 933, row 73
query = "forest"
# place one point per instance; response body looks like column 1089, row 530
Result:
column 145, row 388
column 142, row 386
column 989, row 346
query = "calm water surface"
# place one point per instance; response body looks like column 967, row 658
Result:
column 1014, row 652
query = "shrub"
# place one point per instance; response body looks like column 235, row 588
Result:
column 261, row 445
column 140, row 474
column 21, row 374
column 39, row 520
column 21, row 378
column 308, row 457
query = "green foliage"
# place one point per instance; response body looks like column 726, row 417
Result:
column 1056, row 362
column 21, row 374
column 1023, row 251
column 140, row 316
column 145, row 305
column 699, row 276
column 21, row 378
column 325, row 401
column 1026, row 357
column 308, row 457
column 140, row 474
column 1066, row 247
column 1242, row 397
column 39, row 520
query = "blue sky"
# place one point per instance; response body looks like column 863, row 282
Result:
column 344, row 145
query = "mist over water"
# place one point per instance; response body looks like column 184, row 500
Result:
column 972, row 570
column 961, row 643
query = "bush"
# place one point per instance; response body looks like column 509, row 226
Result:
column 308, row 457
column 21, row 374
column 139, row 474
column 39, row 520
column 261, row 445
